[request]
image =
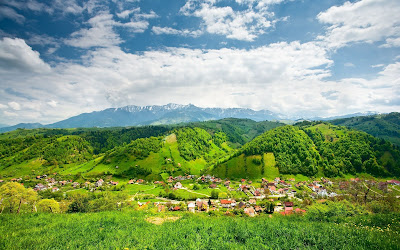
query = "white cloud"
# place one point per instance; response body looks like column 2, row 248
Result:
column 16, row 55
column 392, row 42
column 362, row 21
column 6, row 12
column 14, row 105
column 283, row 77
column 244, row 25
column 2, row 106
column 171, row 31
column 127, row 13
column 101, row 32
column 377, row 66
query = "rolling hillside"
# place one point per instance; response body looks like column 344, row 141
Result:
column 386, row 126
column 312, row 149
column 228, row 148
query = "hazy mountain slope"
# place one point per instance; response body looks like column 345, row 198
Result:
column 155, row 115
column 21, row 125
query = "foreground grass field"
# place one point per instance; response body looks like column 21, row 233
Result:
column 140, row 230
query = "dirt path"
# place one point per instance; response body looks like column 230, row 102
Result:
column 373, row 190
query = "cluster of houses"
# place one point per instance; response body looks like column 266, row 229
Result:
column 248, row 207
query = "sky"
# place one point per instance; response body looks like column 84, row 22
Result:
column 306, row 58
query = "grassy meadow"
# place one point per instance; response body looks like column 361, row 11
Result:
column 146, row 230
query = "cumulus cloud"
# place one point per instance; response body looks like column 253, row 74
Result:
column 362, row 21
column 16, row 56
column 244, row 25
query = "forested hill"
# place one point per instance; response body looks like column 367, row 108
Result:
column 386, row 126
column 232, row 148
column 312, row 149
column 190, row 148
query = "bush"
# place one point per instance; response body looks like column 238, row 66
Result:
column 48, row 206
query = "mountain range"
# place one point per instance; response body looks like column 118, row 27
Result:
column 157, row 115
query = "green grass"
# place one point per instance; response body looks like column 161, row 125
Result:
column 119, row 230
column 270, row 171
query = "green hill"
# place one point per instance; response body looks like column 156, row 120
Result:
column 386, row 126
column 146, row 152
column 225, row 148
column 312, row 149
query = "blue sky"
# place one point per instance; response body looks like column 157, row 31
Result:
column 298, row 57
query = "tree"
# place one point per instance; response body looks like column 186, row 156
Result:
column 49, row 206
column 214, row 194
column 14, row 195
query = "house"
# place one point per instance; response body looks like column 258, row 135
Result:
column 55, row 189
column 38, row 177
column 63, row 183
column 243, row 180
column 213, row 185
column 75, row 184
column 131, row 181
column 258, row 209
column 382, row 185
column 175, row 208
column 140, row 181
column 288, row 204
column 1, row 181
column 394, row 182
column 250, row 211
column 99, row 183
column 87, row 184
column 241, row 205
column 272, row 189
column 178, row 185
column 40, row 187
column 114, row 183
column 281, row 191
column 226, row 203
column 300, row 211
column 288, row 210
column 227, row 183
column 191, row 207
column 252, row 201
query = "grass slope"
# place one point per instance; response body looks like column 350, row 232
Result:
column 133, row 230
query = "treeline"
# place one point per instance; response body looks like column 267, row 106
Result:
column 237, row 130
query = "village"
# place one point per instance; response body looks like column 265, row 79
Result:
column 209, row 194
